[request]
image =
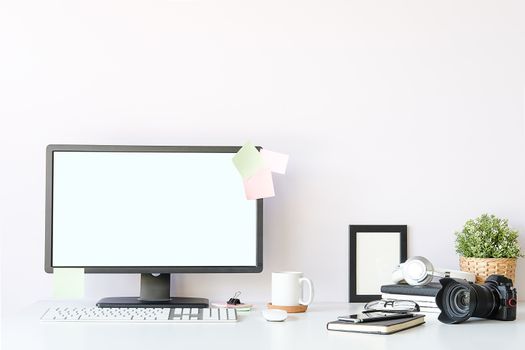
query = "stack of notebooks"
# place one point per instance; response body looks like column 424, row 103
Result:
column 424, row 296
column 378, row 327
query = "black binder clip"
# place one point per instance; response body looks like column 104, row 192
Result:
column 234, row 300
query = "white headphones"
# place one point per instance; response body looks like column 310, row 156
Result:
column 418, row 271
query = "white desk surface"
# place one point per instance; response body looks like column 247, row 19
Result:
column 299, row 331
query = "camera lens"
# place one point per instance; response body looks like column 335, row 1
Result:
column 455, row 299
column 487, row 302
column 460, row 300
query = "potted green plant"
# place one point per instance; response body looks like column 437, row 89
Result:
column 487, row 246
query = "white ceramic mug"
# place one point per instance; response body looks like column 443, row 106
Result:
column 287, row 288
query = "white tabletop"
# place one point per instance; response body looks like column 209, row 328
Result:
column 299, row 331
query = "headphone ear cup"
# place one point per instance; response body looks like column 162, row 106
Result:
column 417, row 271
column 397, row 275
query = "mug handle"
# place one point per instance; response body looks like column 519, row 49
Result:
column 311, row 291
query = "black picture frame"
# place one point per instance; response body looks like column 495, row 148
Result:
column 354, row 297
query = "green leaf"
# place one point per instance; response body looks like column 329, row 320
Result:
column 488, row 236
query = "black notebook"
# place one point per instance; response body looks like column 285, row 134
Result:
column 429, row 290
column 379, row 327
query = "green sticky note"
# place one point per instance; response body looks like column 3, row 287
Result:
column 248, row 160
column 243, row 309
column 68, row 283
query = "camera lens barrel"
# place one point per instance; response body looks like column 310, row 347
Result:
column 486, row 300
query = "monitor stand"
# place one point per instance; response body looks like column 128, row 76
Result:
column 154, row 292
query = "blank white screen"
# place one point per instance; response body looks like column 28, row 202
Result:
column 150, row 209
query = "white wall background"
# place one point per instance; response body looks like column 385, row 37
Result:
column 393, row 112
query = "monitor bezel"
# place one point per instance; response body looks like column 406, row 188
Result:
column 143, row 269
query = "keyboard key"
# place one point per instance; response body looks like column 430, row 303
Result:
column 206, row 314
column 223, row 314
column 231, row 314
column 214, row 314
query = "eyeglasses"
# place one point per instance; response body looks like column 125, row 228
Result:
column 390, row 305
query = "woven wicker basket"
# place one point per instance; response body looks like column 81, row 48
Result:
column 484, row 267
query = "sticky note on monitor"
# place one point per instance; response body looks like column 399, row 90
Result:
column 275, row 161
column 259, row 185
column 68, row 283
column 248, row 161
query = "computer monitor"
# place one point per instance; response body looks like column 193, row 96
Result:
column 153, row 210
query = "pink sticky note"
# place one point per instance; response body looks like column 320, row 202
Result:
column 259, row 185
column 277, row 162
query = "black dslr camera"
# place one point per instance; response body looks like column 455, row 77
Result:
column 459, row 300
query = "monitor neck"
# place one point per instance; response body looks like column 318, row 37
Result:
column 155, row 287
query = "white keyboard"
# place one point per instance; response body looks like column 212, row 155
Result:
column 168, row 315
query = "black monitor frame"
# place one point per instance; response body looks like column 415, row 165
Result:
column 144, row 269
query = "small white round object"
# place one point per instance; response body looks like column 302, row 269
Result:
column 274, row 315
column 417, row 271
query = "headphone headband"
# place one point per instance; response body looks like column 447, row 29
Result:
column 456, row 274
column 418, row 271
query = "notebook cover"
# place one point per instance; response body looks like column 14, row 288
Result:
column 371, row 327
column 429, row 290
